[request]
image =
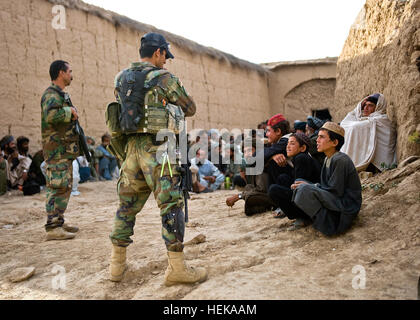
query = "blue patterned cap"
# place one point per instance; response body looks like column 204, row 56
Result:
column 314, row 122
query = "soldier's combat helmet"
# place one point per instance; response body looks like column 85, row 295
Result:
column 153, row 39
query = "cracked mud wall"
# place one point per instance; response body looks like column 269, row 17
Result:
column 380, row 56
column 229, row 92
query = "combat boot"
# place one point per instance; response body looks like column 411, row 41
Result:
column 68, row 228
column 179, row 272
column 118, row 264
column 59, row 234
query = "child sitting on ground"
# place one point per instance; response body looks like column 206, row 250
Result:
column 334, row 203
column 304, row 167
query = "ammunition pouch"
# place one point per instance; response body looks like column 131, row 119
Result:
column 157, row 118
column 112, row 117
column 118, row 139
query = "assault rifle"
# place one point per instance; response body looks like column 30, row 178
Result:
column 186, row 185
column 82, row 138
column 82, row 141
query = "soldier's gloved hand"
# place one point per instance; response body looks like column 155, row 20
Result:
column 74, row 112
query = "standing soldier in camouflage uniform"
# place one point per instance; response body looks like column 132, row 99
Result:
column 60, row 148
column 141, row 172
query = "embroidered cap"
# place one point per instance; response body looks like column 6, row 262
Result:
column 276, row 119
column 334, row 127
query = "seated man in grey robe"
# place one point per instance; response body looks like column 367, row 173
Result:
column 334, row 203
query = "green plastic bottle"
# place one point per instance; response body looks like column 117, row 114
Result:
column 227, row 183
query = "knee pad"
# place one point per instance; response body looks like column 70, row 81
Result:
column 174, row 222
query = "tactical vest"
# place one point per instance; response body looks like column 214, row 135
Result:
column 136, row 112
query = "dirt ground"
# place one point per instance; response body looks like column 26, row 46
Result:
column 247, row 257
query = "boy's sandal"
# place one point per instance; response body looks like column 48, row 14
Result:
column 279, row 214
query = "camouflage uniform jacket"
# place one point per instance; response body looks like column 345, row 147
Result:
column 168, row 87
column 59, row 140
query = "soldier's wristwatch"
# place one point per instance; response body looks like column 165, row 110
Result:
column 240, row 196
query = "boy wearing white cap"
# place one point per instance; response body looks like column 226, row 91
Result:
column 333, row 203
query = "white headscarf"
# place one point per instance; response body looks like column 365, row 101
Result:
column 370, row 139
column 380, row 109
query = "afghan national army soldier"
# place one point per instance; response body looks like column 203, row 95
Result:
column 60, row 147
column 145, row 92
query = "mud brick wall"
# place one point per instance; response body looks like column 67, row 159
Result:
column 229, row 92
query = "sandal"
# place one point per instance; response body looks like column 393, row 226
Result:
column 299, row 224
column 279, row 214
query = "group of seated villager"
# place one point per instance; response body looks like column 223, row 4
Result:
column 310, row 172
column 19, row 170
column 215, row 163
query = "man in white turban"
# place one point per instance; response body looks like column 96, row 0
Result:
column 370, row 137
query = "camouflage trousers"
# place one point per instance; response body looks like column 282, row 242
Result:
column 59, row 182
column 140, row 175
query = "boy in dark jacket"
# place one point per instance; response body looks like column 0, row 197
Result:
column 333, row 203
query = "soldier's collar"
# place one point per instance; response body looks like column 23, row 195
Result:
column 56, row 87
column 141, row 64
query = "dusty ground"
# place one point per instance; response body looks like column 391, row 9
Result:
column 247, row 257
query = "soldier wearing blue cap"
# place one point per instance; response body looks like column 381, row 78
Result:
column 145, row 92
column 153, row 41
